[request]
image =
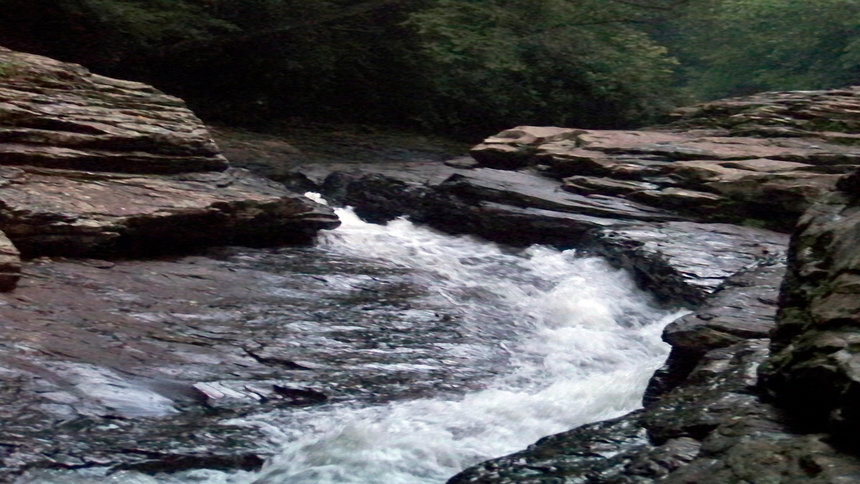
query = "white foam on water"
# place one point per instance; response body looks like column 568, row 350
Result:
column 582, row 342
column 587, row 341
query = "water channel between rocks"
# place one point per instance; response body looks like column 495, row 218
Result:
column 436, row 352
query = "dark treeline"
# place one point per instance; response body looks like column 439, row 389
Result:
column 459, row 66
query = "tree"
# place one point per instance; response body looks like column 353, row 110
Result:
column 735, row 47
column 495, row 63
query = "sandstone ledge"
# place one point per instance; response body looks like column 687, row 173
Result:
column 91, row 165
column 59, row 115
column 60, row 212
column 727, row 161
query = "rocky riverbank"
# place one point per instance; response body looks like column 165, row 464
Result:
column 138, row 364
column 699, row 210
column 99, row 167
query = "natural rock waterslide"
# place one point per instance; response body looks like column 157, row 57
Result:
column 140, row 365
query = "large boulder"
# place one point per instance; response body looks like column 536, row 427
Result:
column 91, row 165
column 59, row 115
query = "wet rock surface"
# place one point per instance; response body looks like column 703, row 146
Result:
column 141, row 365
column 814, row 367
column 795, row 423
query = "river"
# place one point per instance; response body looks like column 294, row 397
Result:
column 439, row 352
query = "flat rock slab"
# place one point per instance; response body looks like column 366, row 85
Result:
column 690, row 259
column 137, row 365
column 523, row 189
column 79, row 213
column 59, row 115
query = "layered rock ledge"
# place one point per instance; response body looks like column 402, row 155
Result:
column 91, row 165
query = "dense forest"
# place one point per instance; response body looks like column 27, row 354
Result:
column 457, row 66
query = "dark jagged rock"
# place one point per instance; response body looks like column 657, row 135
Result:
column 815, row 367
column 743, row 307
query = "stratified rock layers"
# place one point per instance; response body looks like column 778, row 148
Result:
column 91, row 165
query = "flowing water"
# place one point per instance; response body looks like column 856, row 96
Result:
column 449, row 350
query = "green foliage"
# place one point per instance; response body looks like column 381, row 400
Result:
column 733, row 47
column 453, row 65
column 155, row 23
column 497, row 63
